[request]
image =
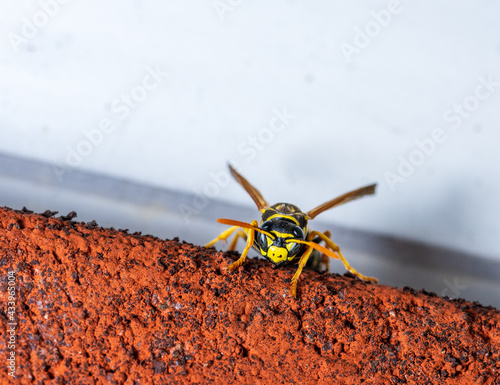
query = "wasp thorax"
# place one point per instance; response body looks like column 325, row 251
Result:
column 285, row 211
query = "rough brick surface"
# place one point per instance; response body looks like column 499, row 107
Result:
column 98, row 305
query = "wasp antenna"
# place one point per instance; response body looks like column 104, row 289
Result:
column 318, row 247
column 244, row 225
column 347, row 197
column 252, row 191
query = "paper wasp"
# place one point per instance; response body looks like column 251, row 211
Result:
column 283, row 236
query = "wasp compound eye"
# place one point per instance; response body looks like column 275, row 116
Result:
column 264, row 241
column 294, row 250
column 266, row 226
column 297, row 232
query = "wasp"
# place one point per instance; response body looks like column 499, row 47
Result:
column 283, row 236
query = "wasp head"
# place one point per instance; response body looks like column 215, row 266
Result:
column 276, row 242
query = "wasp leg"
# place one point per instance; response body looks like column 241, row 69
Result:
column 320, row 262
column 295, row 278
column 222, row 236
column 234, row 242
column 250, row 238
column 333, row 246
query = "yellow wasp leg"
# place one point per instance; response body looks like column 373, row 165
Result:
column 302, row 263
column 332, row 245
column 222, row 236
column 250, row 239
column 325, row 259
column 234, row 242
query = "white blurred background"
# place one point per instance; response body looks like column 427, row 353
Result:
column 308, row 99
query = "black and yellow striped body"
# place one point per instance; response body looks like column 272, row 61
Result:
column 285, row 211
column 286, row 222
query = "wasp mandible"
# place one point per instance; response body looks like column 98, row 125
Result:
column 283, row 235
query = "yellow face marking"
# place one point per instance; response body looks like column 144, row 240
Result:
column 277, row 254
column 281, row 235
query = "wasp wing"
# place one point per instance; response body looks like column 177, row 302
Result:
column 254, row 193
column 347, row 197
